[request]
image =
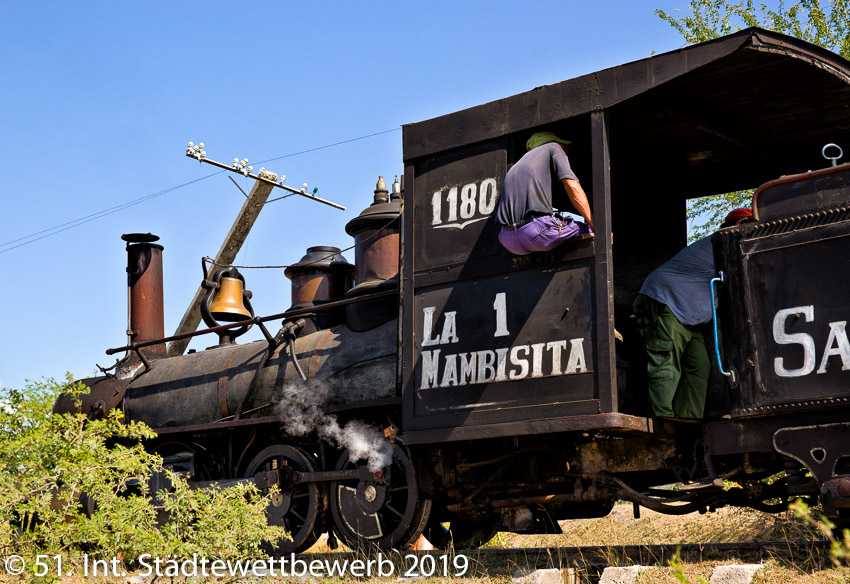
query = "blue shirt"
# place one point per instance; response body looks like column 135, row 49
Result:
column 683, row 283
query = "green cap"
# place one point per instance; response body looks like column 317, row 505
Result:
column 541, row 138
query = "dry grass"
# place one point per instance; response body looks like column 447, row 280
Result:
column 772, row 573
column 621, row 528
column 726, row 525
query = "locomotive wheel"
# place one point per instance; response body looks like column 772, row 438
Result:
column 294, row 508
column 386, row 512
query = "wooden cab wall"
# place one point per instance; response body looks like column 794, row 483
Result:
column 492, row 340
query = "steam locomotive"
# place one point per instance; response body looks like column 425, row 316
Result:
column 456, row 384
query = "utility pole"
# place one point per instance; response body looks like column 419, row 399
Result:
column 266, row 182
column 231, row 246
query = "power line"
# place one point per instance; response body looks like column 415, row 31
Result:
column 99, row 214
column 32, row 237
column 328, row 146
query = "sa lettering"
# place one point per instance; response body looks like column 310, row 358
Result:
column 837, row 344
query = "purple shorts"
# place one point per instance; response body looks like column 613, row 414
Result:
column 541, row 234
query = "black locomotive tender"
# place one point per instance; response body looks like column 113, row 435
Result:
column 496, row 381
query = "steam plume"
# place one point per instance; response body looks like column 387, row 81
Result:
column 301, row 405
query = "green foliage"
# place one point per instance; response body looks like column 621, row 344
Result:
column 679, row 570
column 48, row 461
column 825, row 25
column 705, row 215
column 839, row 540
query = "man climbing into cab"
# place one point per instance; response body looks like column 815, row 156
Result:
column 673, row 304
column 525, row 209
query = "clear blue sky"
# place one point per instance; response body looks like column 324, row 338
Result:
column 98, row 102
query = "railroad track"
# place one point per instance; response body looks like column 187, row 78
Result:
column 586, row 558
column 650, row 551
column 659, row 552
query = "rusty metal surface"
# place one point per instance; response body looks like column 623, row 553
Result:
column 105, row 394
column 624, row 455
column 147, row 313
column 317, row 288
column 185, row 390
column 344, row 368
column 837, row 491
column 819, row 448
column 352, row 366
column 321, row 275
column 381, row 214
column 376, row 237
column 376, row 254
column 277, row 420
column 364, row 316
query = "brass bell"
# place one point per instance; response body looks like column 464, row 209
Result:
column 227, row 306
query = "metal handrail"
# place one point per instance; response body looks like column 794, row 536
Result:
column 257, row 320
column 731, row 375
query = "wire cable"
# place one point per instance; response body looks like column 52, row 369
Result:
column 98, row 215
column 328, row 146
column 33, row 237
column 379, row 231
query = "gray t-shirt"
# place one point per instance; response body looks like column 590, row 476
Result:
column 683, row 283
column 528, row 184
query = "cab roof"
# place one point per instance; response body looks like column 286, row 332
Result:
column 715, row 117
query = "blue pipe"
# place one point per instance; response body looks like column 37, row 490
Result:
column 733, row 379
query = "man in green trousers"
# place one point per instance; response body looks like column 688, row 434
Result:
column 673, row 303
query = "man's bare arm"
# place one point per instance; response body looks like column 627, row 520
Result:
column 578, row 199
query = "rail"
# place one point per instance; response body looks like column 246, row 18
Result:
column 256, row 320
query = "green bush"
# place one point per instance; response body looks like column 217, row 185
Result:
column 48, row 461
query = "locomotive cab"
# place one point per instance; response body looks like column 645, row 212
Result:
column 496, row 344
column 526, row 348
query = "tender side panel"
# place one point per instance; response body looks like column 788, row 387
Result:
column 489, row 338
column 791, row 300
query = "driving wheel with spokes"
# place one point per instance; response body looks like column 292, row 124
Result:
column 385, row 510
column 295, row 506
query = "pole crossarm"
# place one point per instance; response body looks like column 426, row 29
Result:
column 199, row 154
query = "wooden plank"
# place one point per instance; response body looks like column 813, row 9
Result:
column 604, row 273
column 621, row 422
column 405, row 314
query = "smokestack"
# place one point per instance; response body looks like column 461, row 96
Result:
column 145, row 310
